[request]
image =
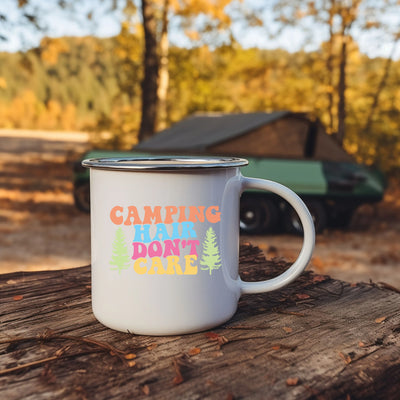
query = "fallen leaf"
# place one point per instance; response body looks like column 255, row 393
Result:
column 18, row 297
column 152, row 346
column 277, row 347
column 216, row 337
column 130, row 356
column 11, row 282
column 146, row 389
column 287, row 329
column 380, row 320
column 302, row 296
column 131, row 363
column 361, row 344
column 212, row 335
column 178, row 379
column 353, row 284
column 292, row 381
column 346, row 358
column 194, row 351
column 319, row 278
column 317, row 262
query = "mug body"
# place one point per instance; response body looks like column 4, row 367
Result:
column 165, row 241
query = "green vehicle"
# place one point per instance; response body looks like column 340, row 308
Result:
column 289, row 148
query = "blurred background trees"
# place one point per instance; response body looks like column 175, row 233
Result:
column 130, row 85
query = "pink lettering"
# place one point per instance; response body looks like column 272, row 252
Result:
column 193, row 243
column 171, row 247
column 139, row 250
column 155, row 249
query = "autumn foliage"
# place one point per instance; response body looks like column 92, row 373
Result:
column 91, row 83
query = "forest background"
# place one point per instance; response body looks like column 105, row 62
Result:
column 99, row 84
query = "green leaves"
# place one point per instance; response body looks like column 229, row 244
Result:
column 211, row 258
column 120, row 257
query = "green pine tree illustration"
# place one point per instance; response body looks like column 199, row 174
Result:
column 210, row 258
column 120, row 257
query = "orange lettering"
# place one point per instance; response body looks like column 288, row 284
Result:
column 170, row 210
column 116, row 219
column 182, row 216
column 196, row 213
column 132, row 213
column 215, row 216
column 149, row 214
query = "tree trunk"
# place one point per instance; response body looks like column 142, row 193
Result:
column 381, row 86
column 163, row 76
column 329, row 67
column 348, row 15
column 150, row 79
column 342, row 92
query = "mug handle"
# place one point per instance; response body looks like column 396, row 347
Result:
column 308, row 242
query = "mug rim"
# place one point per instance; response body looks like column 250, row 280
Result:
column 163, row 163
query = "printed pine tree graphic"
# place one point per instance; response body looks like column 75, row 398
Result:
column 120, row 257
column 211, row 258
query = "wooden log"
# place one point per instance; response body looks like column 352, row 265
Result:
column 318, row 338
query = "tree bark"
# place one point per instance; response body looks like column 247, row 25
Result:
column 151, row 66
column 163, row 76
column 348, row 15
column 317, row 338
column 329, row 67
column 342, row 92
column 381, row 86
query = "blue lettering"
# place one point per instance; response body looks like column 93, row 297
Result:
column 187, row 230
column 161, row 232
column 142, row 234
column 175, row 231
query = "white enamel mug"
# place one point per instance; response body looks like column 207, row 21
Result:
column 165, row 242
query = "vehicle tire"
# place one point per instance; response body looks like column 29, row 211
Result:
column 341, row 219
column 257, row 215
column 82, row 196
column 291, row 220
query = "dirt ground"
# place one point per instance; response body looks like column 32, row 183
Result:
column 40, row 228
